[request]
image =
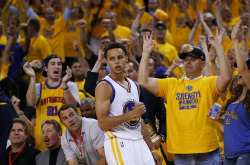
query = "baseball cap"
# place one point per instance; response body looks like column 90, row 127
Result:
column 247, row 61
column 160, row 23
column 46, row 61
column 195, row 52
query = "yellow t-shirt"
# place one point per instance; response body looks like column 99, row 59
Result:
column 39, row 49
column 170, row 53
column 125, row 13
column 71, row 32
column 47, row 108
column 3, row 40
column 80, row 85
column 189, row 130
column 98, row 29
column 237, row 8
column 121, row 31
column 178, row 27
column 54, row 34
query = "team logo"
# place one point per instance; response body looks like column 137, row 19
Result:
column 129, row 106
column 191, row 49
column 122, row 145
column 189, row 88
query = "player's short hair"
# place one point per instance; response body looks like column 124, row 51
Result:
column 55, row 124
column 25, row 126
column 115, row 45
column 64, row 107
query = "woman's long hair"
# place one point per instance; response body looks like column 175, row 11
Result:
column 236, row 91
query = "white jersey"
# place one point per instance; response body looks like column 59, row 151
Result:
column 123, row 101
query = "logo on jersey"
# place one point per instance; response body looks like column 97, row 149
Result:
column 135, row 122
column 122, row 145
column 189, row 88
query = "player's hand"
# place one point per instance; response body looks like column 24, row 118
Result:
column 101, row 59
column 15, row 102
column 148, row 42
column 24, row 26
column 216, row 41
column 82, row 23
column 68, row 75
column 157, row 158
column 141, row 10
column 139, row 109
column 28, row 70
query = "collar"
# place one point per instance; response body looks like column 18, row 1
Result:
column 194, row 78
column 35, row 35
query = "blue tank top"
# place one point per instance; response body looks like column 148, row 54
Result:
column 236, row 130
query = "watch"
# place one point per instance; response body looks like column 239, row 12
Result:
column 163, row 139
column 20, row 113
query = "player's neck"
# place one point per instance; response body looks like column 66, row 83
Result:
column 117, row 77
column 17, row 147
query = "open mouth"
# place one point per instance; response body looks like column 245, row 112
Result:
column 46, row 141
column 56, row 72
column 240, row 77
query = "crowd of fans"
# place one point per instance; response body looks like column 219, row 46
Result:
column 53, row 55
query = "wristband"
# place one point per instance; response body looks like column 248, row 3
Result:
column 65, row 88
column 20, row 113
column 153, row 151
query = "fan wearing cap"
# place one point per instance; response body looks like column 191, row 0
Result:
column 51, row 94
column 237, row 126
column 191, row 135
column 169, row 52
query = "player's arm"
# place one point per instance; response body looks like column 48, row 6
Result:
column 26, row 44
column 31, row 100
column 103, row 95
column 241, row 64
column 156, row 156
column 226, row 73
column 102, row 160
column 149, row 83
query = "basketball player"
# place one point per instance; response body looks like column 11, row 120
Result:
column 119, row 114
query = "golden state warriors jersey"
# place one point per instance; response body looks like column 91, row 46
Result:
column 51, row 100
column 123, row 101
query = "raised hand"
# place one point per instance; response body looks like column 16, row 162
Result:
column 141, row 10
column 106, row 23
column 202, row 39
column 148, row 42
column 216, row 41
column 28, row 70
column 235, row 30
column 15, row 102
column 82, row 24
column 36, row 64
column 24, row 26
column 68, row 75
column 101, row 57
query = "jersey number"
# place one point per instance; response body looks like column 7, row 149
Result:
column 52, row 111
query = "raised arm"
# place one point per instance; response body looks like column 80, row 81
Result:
column 150, row 84
column 107, row 25
column 31, row 93
column 190, row 21
column 203, row 42
column 193, row 31
column 226, row 73
column 136, row 23
column 102, row 107
column 241, row 64
column 25, row 5
column 26, row 44
column 84, row 64
column 207, row 29
column 4, row 14
column 84, row 40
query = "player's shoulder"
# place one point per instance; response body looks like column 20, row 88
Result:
column 104, row 87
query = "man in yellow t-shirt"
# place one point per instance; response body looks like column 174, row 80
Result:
column 51, row 28
column 191, row 135
column 167, row 50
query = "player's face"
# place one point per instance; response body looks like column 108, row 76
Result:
column 113, row 20
column 130, row 72
column 77, row 69
column 54, row 69
column 193, row 65
column 70, row 119
column 117, row 60
column 104, row 42
column 87, row 111
column 17, row 134
column 51, row 138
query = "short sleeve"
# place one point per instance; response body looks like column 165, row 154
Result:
column 74, row 90
column 38, row 90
